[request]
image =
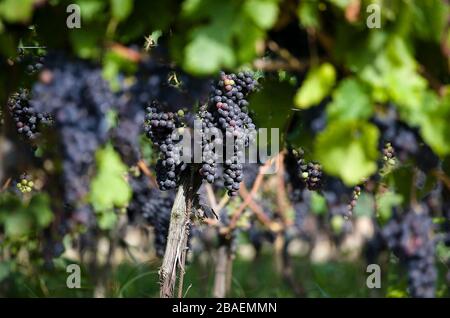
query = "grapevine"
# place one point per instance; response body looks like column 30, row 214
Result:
column 240, row 149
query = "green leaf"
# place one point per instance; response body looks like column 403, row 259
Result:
column 308, row 13
column 222, row 41
column 8, row 47
column 318, row 203
column 434, row 123
column 246, row 41
column 121, row 9
column 348, row 149
column 350, row 101
column 429, row 19
column 401, row 178
column 337, row 224
column 40, row 207
column 342, row 4
column 190, row 8
column 386, row 201
column 107, row 220
column 317, row 85
column 210, row 46
column 16, row 10
column 396, row 293
column 155, row 35
column 263, row 12
column 5, row 269
column 91, row 9
column 85, row 41
column 109, row 188
column 18, row 225
column 393, row 75
column 443, row 251
column 364, row 205
column 114, row 63
column 206, row 55
column 272, row 105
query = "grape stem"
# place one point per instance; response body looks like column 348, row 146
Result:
column 143, row 166
column 255, row 207
column 282, row 197
column 249, row 197
column 442, row 177
column 125, row 52
column 286, row 55
column 5, row 185
column 211, row 197
column 176, row 249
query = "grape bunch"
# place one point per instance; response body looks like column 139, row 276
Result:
column 354, row 199
column 208, row 170
column 156, row 79
column 410, row 238
column 227, row 111
column 389, row 154
column 293, row 160
column 154, row 207
column 406, row 141
column 74, row 93
column 340, row 200
column 161, row 127
column 25, row 184
column 126, row 137
column 132, row 100
column 312, row 175
column 301, row 212
column 251, row 171
column 33, row 63
column 300, row 171
column 26, row 118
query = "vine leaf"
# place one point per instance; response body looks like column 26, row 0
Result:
column 348, row 149
column 350, row 101
column 109, row 189
column 434, row 126
column 317, row 85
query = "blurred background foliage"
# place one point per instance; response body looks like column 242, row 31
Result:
column 341, row 65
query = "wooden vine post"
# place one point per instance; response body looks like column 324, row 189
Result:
column 224, row 265
column 176, row 249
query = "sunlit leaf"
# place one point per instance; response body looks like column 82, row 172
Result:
column 317, row 85
column 16, row 10
column 351, row 100
column 262, row 12
column 121, row 9
column 348, row 149
column 109, row 188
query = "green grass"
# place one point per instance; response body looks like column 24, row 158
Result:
column 256, row 278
